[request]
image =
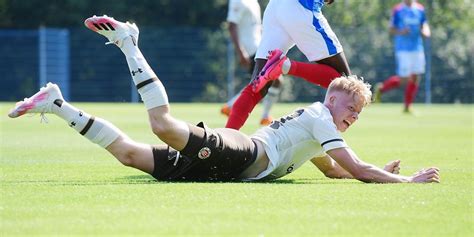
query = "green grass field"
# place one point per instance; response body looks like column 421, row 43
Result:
column 55, row 182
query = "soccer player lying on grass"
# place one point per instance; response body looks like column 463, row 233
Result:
column 198, row 153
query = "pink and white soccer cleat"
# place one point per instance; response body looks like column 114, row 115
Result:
column 41, row 102
column 271, row 71
column 115, row 31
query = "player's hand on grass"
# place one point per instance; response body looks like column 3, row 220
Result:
column 393, row 167
column 430, row 175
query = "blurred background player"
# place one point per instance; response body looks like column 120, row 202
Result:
column 408, row 24
column 245, row 28
column 287, row 23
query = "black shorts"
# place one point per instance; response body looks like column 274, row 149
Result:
column 210, row 155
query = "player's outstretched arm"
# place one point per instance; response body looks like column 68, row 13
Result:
column 331, row 169
column 365, row 172
column 244, row 58
column 425, row 30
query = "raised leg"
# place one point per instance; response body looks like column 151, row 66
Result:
column 125, row 35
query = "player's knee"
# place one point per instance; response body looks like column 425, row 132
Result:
column 127, row 161
column 127, row 157
column 160, row 128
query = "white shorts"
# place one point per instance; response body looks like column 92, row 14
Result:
column 287, row 22
column 410, row 63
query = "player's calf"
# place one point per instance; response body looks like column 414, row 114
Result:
column 132, row 154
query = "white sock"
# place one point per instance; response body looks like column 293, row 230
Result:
column 271, row 98
column 74, row 117
column 285, row 68
column 96, row 130
column 149, row 86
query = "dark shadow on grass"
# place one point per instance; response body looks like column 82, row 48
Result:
column 318, row 181
column 146, row 179
column 136, row 179
column 306, row 181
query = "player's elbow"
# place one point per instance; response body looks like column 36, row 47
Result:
column 333, row 174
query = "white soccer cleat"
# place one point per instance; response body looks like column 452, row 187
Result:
column 115, row 31
column 41, row 102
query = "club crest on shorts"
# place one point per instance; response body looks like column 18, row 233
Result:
column 204, row 153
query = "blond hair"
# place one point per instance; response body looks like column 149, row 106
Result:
column 352, row 85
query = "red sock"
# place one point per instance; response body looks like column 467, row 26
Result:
column 319, row 74
column 242, row 108
column 410, row 93
column 391, row 83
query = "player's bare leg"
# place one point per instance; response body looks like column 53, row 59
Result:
column 125, row 35
column 49, row 100
column 133, row 154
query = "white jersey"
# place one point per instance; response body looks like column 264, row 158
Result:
column 300, row 22
column 247, row 16
column 291, row 141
